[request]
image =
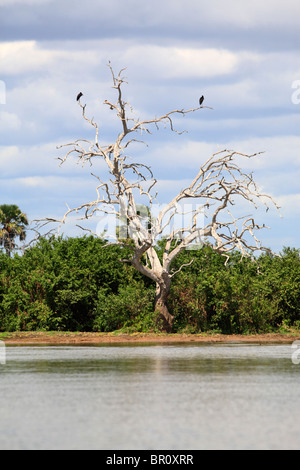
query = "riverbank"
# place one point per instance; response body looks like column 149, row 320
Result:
column 90, row 338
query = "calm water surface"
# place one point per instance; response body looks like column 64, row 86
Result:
column 150, row 397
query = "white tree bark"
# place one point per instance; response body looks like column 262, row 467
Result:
column 218, row 184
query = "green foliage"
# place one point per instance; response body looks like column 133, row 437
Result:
column 131, row 307
column 77, row 284
column 242, row 297
column 55, row 284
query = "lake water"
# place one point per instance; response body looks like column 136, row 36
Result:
column 150, row 397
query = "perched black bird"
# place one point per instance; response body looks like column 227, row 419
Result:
column 79, row 96
column 201, row 100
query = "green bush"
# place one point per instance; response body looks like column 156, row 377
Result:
column 132, row 306
column 77, row 284
column 242, row 297
column 55, row 284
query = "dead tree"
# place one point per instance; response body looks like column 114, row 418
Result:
column 205, row 203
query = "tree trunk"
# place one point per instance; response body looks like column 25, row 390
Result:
column 164, row 318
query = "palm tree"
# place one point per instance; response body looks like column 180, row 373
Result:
column 12, row 225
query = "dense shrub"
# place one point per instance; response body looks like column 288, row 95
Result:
column 55, row 285
column 77, row 284
column 132, row 306
column 242, row 297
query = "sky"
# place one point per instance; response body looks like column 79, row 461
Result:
column 242, row 56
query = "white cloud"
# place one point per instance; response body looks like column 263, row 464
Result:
column 250, row 14
column 282, row 151
column 173, row 51
column 16, row 161
column 52, row 192
column 180, row 62
column 9, row 122
column 279, row 152
column 24, row 2
column 61, row 186
column 158, row 61
column 21, row 57
column 185, row 154
column 41, row 161
column 290, row 205
column 276, row 171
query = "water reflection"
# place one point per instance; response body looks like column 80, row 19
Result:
column 132, row 359
column 150, row 397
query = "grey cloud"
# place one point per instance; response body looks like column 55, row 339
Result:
column 162, row 44
column 218, row 23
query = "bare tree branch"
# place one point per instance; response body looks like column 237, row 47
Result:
column 203, row 204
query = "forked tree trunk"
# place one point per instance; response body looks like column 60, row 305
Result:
column 164, row 318
column 210, row 184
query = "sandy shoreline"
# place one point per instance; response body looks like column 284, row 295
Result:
column 62, row 338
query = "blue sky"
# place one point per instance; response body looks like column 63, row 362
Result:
column 242, row 56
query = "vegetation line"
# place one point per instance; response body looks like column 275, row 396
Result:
column 77, row 284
